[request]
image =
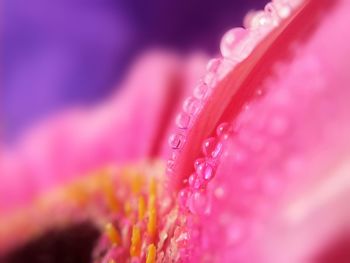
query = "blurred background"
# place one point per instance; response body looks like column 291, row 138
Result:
column 60, row 53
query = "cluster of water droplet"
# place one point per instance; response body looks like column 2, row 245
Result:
column 236, row 45
column 190, row 110
column 194, row 197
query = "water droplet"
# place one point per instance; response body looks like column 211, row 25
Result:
column 191, row 105
column 183, row 120
column 209, row 146
column 182, row 197
column 170, row 164
column 260, row 20
column 283, row 9
column 191, row 179
column 198, row 162
column 223, row 129
column 209, row 78
column 217, row 150
column 199, row 203
column 201, row 91
column 176, row 141
column 213, row 65
column 195, row 181
column 259, row 92
column 205, row 170
column 174, row 155
column 219, row 192
column 246, row 107
column 271, row 11
column 230, row 40
column 208, row 172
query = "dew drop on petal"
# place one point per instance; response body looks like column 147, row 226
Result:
column 198, row 162
column 223, row 129
column 283, row 9
column 170, row 164
column 200, row 91
column 259, row 20
column 191, row 179
column 209, row 146
column 208, row 172
column 217, row 150
column 199, row 203
column 230, row 40
column 182, row 197
column 213, row 65
column 191, row 105
column 205, row 170
column 270, row 9
column 196, row 181
column 183, row 120
column 176, row 140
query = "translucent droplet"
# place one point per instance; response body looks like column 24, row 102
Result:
column 182, row 197
column 209, row 78
column 170, row 164
column 176, row 141
column 191, row 179
column 283, row 9
column 223, row 129
column 270, row 10
column 219, row 192
column 208, row 146
column 259, row 92
column 213, row 65
column 200, row 91
column 208, row 172
column 195, row 181
column 230, row 40
column 174, row 155
column 205, row 170
column 199, row 203
column 191, row 105
column 259, row 20
column 183, row 120
column 198, row 162
column 217, row 150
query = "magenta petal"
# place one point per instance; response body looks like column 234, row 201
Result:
column 127, row 127
column 281, row 189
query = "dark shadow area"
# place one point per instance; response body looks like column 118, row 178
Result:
column 71, row 245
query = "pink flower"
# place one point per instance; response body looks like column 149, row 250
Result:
column 259, row 162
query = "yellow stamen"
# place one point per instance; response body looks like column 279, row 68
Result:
column 152, row 223
column 151, row 254
column 134, row 178
column 135, row 247
column 111, row 261
column 153, row 186
column 127, row 208
column 151, row 202
column 141, row 208
column 113, row 234
column 152, row 209
column 108, row 191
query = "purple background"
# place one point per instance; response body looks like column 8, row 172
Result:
column 65, row 52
